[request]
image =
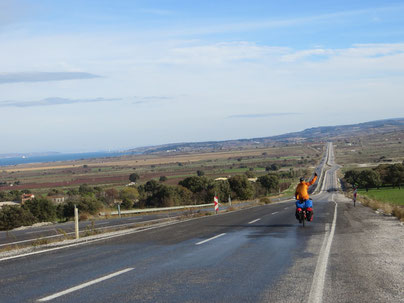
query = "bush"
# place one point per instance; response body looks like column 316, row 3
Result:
column 265, row 200
column 398, row 211
column 15, row 216
column 269, row 182
column 241, row 187
column 249, row 174
column 129, row 193
column 127, row 204
column 134, row 177
column 42, row 209
column 85, row 190
column 88, row 205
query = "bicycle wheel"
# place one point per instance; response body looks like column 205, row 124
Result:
column 303, row 218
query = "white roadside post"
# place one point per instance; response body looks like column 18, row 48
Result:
column 229, row 200
column 76, row 221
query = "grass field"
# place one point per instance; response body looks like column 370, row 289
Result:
column 370, row 150
column 391, row 195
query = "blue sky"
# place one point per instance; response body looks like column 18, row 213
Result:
column 98, row 75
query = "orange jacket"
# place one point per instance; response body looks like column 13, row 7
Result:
column 301, row 189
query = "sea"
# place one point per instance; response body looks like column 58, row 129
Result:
column 59, row 157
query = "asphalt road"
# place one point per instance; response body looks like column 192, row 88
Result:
column 260, row 254
column 29, row 235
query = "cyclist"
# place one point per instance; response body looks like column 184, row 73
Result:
column 303, row 198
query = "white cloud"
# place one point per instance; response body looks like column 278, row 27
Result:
column 43, row 76
column 210, row 81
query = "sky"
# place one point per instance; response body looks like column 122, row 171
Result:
column 92, row 75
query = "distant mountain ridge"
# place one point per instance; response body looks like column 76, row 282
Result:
column 321, row 133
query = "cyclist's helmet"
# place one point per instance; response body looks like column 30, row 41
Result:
column 301, row 179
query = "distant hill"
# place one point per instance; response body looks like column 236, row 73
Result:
column 322, row 133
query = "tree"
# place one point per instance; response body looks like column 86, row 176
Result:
column 163, row 178
column 110, row 195
column 395, row 174
column 42, row 209
column 222, row 189
column 369, row 179
column 275, row 167
column 53, row 192
column 129, row 193
column 203, row 189
column 200, row 173
column 152, row 186
column 352, row 177
column 15, row 216
column 272, row 167
column 89, row 205
column 86, row 190
column 241, row 187
column 194, row 184
column 85, row 204
column 185, row 195
column 269, row 182
column 127, row 204
column 249, row 174
column 134, row 177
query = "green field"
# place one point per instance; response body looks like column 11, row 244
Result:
column 391, row 195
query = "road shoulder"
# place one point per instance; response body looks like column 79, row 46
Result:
column 367, row 260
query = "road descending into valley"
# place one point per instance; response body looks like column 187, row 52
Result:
column 259, row 254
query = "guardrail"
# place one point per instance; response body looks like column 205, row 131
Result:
column 147, row 210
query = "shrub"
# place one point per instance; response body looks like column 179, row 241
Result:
column 42, row 209
column 265, row 200
column 398, row 211
column 249, row 174
column 269, row 182
column 129, row 193
column 241, row 187
column 88, row 205
column 134, row 177
column 15, row 216
column 126, row 203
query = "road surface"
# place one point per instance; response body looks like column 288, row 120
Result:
column 260, row 254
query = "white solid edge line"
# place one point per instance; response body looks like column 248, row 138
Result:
column 253, row 221
column 210, row 239
column 275, row 213
column 78, row 287
column 317, row 286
